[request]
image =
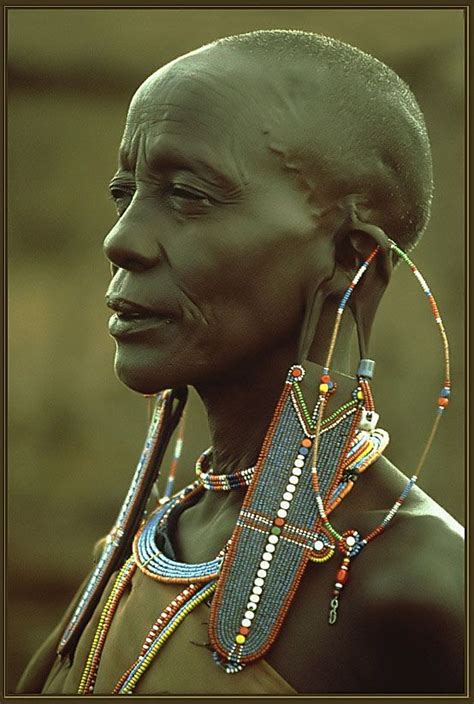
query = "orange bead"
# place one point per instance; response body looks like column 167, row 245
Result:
column 244, row 631
column 443, row 401
column 296, row 373
column 342, row 576
column 279, row 521
column 306, row 442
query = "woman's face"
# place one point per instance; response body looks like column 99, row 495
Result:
column 214, row 240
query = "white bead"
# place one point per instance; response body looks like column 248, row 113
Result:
column 296, row 472
column 273, row 539
column 284, row 504
column 287, row 496
column 293, row 480
column 257, row 590
column 300, row 457
column 261, row 573
column 251, row 606
column 249, row 614
column 299, row 463
column 281, row 513
column 267, row 556
column 350, row 540
column 269, row 547
column 255, row 598
column 264, row 565
column 318, row 545
column 246, row 622
column 369, row 420
column 259, row 582
column 290, row 488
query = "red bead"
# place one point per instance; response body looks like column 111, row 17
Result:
column 443, row 401
column 342, row 576
column 296, row 373
column 325, row 378
column 279, row 521
column 244, row 631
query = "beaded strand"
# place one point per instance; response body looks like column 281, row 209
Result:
column 130, row 679
column 89, row 675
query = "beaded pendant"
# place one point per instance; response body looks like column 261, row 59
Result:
column 278, row 528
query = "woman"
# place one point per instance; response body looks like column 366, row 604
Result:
column 267, row 183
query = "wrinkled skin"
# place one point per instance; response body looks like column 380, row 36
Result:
column 217, row 238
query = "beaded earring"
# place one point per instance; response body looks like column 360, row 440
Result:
column 350, row 542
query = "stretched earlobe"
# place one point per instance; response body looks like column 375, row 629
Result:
column 355, row 245
column 313, row 312
column 364, row 236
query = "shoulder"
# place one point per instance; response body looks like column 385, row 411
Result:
column 412, row 597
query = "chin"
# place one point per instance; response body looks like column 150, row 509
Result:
column 144, row 379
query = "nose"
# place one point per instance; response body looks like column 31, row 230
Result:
column 130, row 244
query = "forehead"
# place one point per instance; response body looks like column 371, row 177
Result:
column 201, row 99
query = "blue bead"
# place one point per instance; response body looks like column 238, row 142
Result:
column 445, row 392
column 303, row 451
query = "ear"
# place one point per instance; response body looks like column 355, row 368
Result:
column 353, row 245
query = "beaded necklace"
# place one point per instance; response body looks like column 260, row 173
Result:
column 200, row 578
column 155, row 564
column 220, row 482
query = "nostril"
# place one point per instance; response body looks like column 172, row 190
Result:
column 134, row 265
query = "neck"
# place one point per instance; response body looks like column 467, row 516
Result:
column 240, row 405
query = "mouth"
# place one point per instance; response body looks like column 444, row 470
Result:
column 131, row 318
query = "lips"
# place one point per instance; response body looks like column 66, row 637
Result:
column 131, row 318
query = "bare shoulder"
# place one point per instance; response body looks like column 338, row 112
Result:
column 411, row 583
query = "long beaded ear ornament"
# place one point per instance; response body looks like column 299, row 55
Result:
column 118, row 543
column 350, row 543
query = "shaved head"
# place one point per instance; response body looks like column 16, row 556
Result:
column 344, row 122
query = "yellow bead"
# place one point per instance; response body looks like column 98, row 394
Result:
column 240, row 639
column 360, row 395
column 323, row 388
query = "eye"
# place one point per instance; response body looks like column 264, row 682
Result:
column 186, row 193
column 121, row 199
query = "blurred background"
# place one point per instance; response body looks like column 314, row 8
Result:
column 75, row 433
